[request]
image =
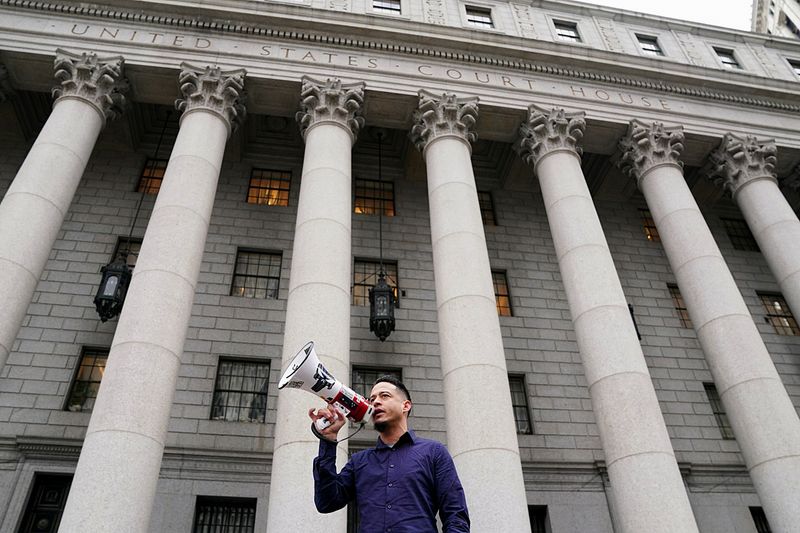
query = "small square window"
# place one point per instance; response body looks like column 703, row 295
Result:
column 256, row 274
column 680, row 305
column 372, row 195
column 224, row 515
column 364, row 378
column 130, row 248
column 567, row 31
column 365, row 276
column 487, row 208
column 779, row 314
column 760, row 520
column 519, row 401
column 728, row 58
column 152, row 176
column 392, row 6
column 740, row 235
column 269, row 187
column 649, row 226
column 240, row 392
column 538, row 518
column 87, row 380
column 795, row 66
column 501, row 295
column 719, row 411
column 649, row 45
column 479, row 16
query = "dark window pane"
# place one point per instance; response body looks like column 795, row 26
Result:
column 649, row 45
column 269, row 187
column 240, row 393
column 386, row 5
column 719, row 411
column 479, row 16
column 152, row 176
column 538, row 517
column 680, row 306
column 519, row 401
column 740, row 235
column 370, row 195
column 567, row 31
column 365, row 276
column 487, row 208
column 87, row 380
column 760, row 520
column 779, row 314
column 256, row 274
column 129, row 248
column 224, row 515
column 46, row 503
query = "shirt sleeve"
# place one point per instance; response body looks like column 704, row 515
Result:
column 332, row 491
column 450, row 495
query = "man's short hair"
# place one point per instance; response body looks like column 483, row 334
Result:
column 396, row 382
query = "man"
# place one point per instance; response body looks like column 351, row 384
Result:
column 401, row 483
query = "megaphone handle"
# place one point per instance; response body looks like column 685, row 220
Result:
column 322, row 423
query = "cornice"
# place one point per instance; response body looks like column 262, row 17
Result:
column 309, row 37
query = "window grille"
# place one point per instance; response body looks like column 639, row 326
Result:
column 392, row 6
column 87, row 380
column 240, row 392
column 649, row 45
column 269, row 187
column 760, row 520
column 256, row 274
column 479, row 16
column 728, row 58
column 364, row 377
column 487, row 208
column 649, row 226
column 680, row 305
column 740, row 235
column 224, row 515
column 519, row 401
column 372, row 195
column 501, row 295
column 779, row 314
column 567, row 31
column 152, row 176
column 719, row 411
column 365, row 276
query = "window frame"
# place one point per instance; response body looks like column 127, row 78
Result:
column 148, row 188
column 760, row 519
column 267, row 290
column 560, row 25
column 718, row 410
column 728, row 58
column 282, row 176
column 486, row 205
column 789, row 327
column 377, row 370
column 220, row 501
column 649, row 225
column 740, row 235
column 135, row 241
column 98, row 350
column 643, row 40
column 393, row 281
column 382, row 186
column 479, row 10
column 523, row 382
column 265, row 362
column 501, row 272
column 679, row 304
column 794, row 66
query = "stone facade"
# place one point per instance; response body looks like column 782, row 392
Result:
column 272, row 55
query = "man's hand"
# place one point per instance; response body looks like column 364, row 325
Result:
column 334, row 416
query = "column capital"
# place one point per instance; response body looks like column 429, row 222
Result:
column 443, row 114
column 548, row 131
column 96, row 80
column 213, row 90
column 331, row 101
column 647, row 146
column 740, row 160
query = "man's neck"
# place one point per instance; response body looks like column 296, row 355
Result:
column 391, row 435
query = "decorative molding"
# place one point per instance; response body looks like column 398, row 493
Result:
column 687, row 43
column 402, row 49
column 740, row 160
column 435, row 12
column 647, row 146
column 523, row 15
column 548, row 131
column 331, row 101
column 610, row 35
column 443, row 114
column 97, row 81
column 339, row 5
column 212, row 89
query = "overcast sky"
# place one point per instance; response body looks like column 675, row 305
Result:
column 727, row 13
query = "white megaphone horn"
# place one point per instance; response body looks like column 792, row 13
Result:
column 306, row 372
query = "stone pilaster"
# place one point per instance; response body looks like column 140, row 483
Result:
column 128, row 428
column 470, row 341
column 89, row 91
column 318, row 304
column 646, row 486
column 739, row 161
column 331, row 102
column 647, row 147
column 744, row 373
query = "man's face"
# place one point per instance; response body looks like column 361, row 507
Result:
column 389, row 405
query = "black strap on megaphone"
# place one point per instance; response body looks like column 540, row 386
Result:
column 319, row 435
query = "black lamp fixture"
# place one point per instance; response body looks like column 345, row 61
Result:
column 381, row 296
column 117, row 274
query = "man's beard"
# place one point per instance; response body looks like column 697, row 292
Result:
column 380, row 427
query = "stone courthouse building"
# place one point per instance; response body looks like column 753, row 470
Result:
column 589, row 217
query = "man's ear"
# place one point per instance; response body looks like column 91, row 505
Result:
column 407, row 405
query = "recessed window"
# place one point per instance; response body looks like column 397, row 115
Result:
column 791, row 25
column 240, row 392
column 760, row 520
column 391, row 6
column 538, row 518
column 152, row 176
column 680, row 305
column 373, row 195
column 519, row 401
column 728, row 58
column 269, row 187
column 224, row 515
column 46, row 502
column 130, row 248
column 740, row 235
column 719, row 411
column 501, row 295
column 487, row 208
column 649, row 226
column 479, row 16
column 365, row 276
column 567, row 31
column 256, row 274
column 795, row 66
column 649, row 45
column 87, row 380
column 779, row 314
column 364, row 377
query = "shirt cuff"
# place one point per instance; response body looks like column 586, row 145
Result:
column 327, row 448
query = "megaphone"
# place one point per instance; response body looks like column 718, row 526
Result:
column 307, row 373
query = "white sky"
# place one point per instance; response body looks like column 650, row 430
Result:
column 727, row 13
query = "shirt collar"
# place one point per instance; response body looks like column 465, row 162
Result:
column 407, row 436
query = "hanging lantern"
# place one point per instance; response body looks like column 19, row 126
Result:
column 113, row 288
column 381, row 308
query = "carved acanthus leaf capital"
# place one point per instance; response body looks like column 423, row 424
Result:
column 647, row 146
column 443, row 114
column 98, row 81
column 215, row 90
column 331, row 101
column 740, row 160
column 547, row 131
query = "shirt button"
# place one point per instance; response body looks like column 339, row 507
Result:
column 389, row 506
column 391, row 466
column 390, row 484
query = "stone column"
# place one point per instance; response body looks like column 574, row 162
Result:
column 318, row 306
column 481, row 435
column 115, row 481
column 646, row 484
column 763, row 418
column 745, row 167
column 89, row 91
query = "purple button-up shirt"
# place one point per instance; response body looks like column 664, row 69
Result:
column 398, row 489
